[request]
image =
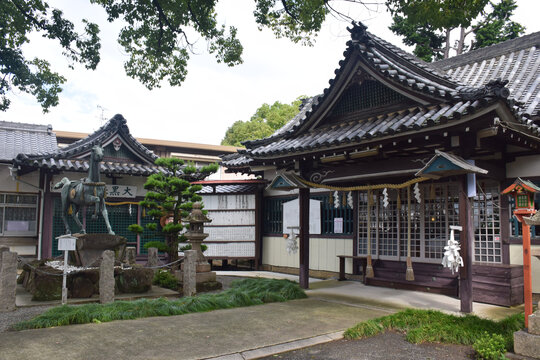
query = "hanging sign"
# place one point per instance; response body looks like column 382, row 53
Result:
column 338, row 225
column 121, row 191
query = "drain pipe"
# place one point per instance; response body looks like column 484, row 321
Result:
column 14, row 177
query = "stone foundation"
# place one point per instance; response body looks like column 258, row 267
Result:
column 527, row 343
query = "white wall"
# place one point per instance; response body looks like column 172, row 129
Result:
column 525, row 166
column 7, row 184
column 516, row 257
column 323, row 253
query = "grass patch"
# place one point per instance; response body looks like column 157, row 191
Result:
column 244, row 292
column 435, row 326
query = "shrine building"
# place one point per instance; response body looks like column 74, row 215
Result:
column 392, row 154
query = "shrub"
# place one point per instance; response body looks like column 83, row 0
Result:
column 161, row 246
column 490, row 347
column 188, row 247
column 165, row 279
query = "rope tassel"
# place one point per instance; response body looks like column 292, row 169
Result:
column 409, row 274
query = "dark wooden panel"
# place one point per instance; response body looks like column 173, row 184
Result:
column 499, row 284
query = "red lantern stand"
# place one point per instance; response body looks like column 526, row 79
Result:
column 523, row 192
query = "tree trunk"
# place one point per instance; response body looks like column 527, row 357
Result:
column 172, row 252
column 461, row 41
column 447, row 47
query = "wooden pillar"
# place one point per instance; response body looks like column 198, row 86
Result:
column 466, row 241
column 258, row 227
column 304, row 237
column 47, row 231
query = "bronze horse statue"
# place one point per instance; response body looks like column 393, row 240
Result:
column 87, row 191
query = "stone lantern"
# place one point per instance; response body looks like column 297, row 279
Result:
column 195, row 236
column 523, row 192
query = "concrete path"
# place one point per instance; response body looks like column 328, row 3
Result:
column 233, row 334
column 192, row 336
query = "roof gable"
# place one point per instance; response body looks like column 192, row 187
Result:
column 131, row 157
column 416, row 85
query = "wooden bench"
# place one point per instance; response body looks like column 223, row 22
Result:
column 363, row 262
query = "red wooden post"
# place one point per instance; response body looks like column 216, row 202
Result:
column 527, row 278
column 304, row 237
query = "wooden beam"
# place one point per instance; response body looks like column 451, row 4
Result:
column 466, row 242
column 304, row 237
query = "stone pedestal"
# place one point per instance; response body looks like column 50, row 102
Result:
column 106, row 278
column 152, row 258
column 8, row 279
column 91, row 246
column 131, row 255
column 527, row 343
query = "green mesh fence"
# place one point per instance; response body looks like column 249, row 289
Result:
column 148, row 235
column 58, row 225
column 120, row 217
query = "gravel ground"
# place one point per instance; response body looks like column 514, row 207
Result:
column 390, row 345
column 25, row 313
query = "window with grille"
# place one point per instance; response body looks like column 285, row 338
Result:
column 273, row 215
column 429, row 221
column 363, row 214
column 18, row 214
column 487, row 225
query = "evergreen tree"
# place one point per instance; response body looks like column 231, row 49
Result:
column 170, row 197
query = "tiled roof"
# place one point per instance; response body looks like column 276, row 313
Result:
column 29, row 138
column 229, row 189
column 388, row 64
column 356, row 131
column 116, row 125
column 439, row 98
column 83, row 166
column 69, row 157
column 516, row 60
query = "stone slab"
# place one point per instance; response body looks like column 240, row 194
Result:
column 189, row 282
column 534, row 323
column 527, row 344
column 106, row 278
column 206, row 276
column 8, row 280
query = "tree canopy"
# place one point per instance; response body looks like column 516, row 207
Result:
column 428, row 24
column 266, row 120
column 156, row 37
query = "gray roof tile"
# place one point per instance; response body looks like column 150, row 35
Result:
column 16, row 138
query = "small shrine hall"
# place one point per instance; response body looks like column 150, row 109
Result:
column 393, row 153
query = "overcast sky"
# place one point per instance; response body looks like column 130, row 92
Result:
column 213, row 96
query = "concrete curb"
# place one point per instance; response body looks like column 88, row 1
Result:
column 280, row 348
